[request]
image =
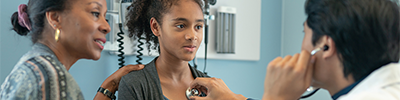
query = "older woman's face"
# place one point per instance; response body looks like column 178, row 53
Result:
column 83, row 28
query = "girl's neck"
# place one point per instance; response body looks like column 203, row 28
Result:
column 171, row 67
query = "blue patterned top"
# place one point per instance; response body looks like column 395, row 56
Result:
column 39, row 75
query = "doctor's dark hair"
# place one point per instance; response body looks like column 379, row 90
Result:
column 36, row 11
column 365, row 32
column 141, row 11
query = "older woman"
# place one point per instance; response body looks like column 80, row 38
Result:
column 62, row 31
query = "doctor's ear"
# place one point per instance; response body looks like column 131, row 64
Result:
column 155, row 26
column 329, row 47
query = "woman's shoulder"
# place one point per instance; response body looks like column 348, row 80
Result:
column 36, row 65
column 56, row 82
column 26, row 80
column 46, row 65
column 21, row 83
column 148, row 73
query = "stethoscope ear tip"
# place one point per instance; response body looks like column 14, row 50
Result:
column 326, row 47
column 315, row 51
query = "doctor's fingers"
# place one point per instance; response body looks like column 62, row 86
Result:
column 200, row 98
column 309, row 71
column 211, row 86
column 278, row 63
column 292, row 61
column 305, row 66
column 304, row 61
column 208, row 83
column 273, row 63
column 219, row 97
column 288, row 63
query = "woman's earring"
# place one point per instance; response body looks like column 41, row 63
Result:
column 57, row 35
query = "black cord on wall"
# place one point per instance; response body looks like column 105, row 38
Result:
column 140, row 54
column 121, row 53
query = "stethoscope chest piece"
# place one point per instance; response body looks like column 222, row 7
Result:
column 192, row 92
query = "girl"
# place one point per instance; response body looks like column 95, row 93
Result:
column 175, row 27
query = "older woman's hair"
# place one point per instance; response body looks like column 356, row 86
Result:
column 36, row 12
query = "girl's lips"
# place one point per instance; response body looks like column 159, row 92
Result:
column 190, row 48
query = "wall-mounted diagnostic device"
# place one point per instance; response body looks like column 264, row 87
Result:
column 118, row 40
column 225, row 35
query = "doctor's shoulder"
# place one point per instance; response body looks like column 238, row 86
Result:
column 382, row 84
column 392, row 93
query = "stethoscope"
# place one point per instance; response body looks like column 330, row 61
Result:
column 194, row 92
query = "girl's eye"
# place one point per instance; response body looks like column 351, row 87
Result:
column 97, row 14
column 180, row 26
column 199, row 27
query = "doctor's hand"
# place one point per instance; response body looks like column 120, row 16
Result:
column 112, row 82
column 288, row 78
column 215, row 89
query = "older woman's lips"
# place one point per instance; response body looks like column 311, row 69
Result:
column 100, row 43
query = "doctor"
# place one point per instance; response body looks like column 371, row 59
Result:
column 358, row 60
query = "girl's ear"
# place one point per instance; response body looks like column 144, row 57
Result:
column 155, row 27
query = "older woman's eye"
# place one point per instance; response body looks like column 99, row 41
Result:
column 96, row 14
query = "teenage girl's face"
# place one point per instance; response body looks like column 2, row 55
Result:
column 182, row 30
column 84, row 27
